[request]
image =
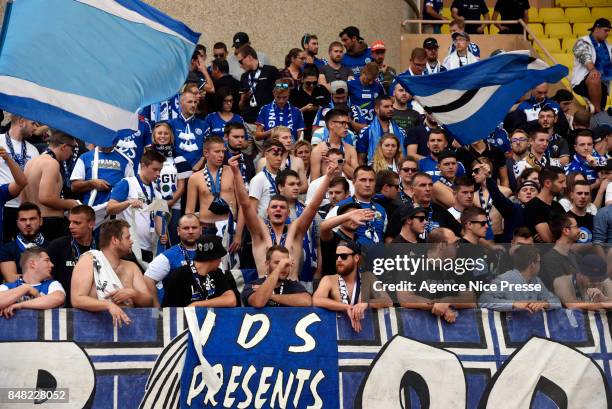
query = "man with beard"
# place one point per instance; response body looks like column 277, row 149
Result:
column 337, row 122
column 273, row 230
column 561, row 260
column 212, row 188
column 310, row 44
column 358, row 54
column 102, row 281
column 276, row 287
column 382, row 124
column 349, row 290
column 29, row 222
column 519, row 144
column 437, row 142
column 406, row 117
column 177, row 256
column 543, row 208
column 386, row 73
column 537, row 157
column 431, row 47
column 558, row 148
column 334, row 70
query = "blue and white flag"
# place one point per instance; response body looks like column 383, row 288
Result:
column 472, row 100
column 86, row 66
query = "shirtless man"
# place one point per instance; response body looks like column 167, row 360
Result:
column 283, row 134
column 273, row 230
column 337, row 121
column 214, row 181
column 45, row 183
column 87, row 294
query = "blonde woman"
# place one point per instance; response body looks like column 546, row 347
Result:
column 388, row 154
column 302, row 150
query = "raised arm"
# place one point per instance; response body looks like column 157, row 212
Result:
column 250, row 213
column 303, row 222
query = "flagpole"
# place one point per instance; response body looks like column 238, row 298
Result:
column 5, row 21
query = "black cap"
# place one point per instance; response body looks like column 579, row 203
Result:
column 430, row 42
column 240, row 39
column 348, row 206
column 209, row 247
column 601, row 132
column 351, row 31
column 351, row 245
column 407, row 211
column 601, row 23
column 594, row 267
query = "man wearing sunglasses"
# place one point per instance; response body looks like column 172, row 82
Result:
column 413, row 225
column 475, row 224
column 309, row 97
column 45, row 181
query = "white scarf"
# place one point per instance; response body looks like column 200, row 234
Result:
column 452, row 61
column 105, row 278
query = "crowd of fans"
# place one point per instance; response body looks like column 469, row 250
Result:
column 295, row 173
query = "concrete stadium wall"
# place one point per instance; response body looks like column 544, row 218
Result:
column 275, row 27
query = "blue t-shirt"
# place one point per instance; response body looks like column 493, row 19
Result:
column 371, row 232
column 111, row 168
column 5, row 196
column 357, row 62
column 271, row 116
column 215, row 124
column 362, row 97
column 133, row 145
column 430, row 166
column 189, row 138
column 42, row 287
column 578, row 164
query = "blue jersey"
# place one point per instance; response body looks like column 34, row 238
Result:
column 163, row 111
column 133, row 145
column 44, row 288
column 531, row 108
column 188, row 138
column 112, row 167
column 371, row 232
column 319, row 62
column 175, row 257
column 271, row 116
column 363, row 96
column 580, row 165
column 215, row 124
column 356, row 62
column 430, row 166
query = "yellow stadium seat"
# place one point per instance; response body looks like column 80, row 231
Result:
column 564, row 59
column 552, row 15
column 567, row 44
column 569, row 3
column 578, row 15
column 558, row 30
column 605, row 12
column 538, row 29
column 551, row 44
column 534, row 17
column 597, row 3
column 582, row 29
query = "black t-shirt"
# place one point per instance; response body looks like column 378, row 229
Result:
column 555, row 264
column 586, row 226
column 418, row 136
column 286, row 287
column 328, row 252
column 495, row 154
column 439, row 215
column 180, row 288
column 64, row 257
column 406, row 118
column 299, row 98
column 470, row 10
column 226, row 81
column 263, row 90
column 399, row 239
column 536, row 212
column 512, row 10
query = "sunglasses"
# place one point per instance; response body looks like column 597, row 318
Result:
column 344, row 256
column 282, row 85
column 310, row 83
column 482, row 223
column 219, row 56
column 419, row 218
column 409, row 170
column 241, row 60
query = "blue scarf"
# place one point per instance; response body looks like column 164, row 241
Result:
column 602, row 59
column 276, row 117
column 24, row 243
column 375, row 132
column 309, row 245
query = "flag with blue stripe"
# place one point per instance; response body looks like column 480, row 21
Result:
column 86, row 66
column 472, row 100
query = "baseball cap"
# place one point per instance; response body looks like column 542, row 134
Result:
column 351, row 245
column 461, row 34
column 430, row 42
column 594, row 267
column 407, row 211
column 378, row 45
column 338, row 87
column 351, row 31
column 209, row 247
column 240, row 39
column 601, row 23
column 600, row 132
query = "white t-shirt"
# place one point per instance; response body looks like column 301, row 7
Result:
column 261, row 189
column 5, row 173
column 314, row 185
column 608, row 194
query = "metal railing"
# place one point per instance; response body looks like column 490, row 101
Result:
column 472, row 22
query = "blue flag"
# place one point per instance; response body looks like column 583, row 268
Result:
column 86, row 66
column 472, row 100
